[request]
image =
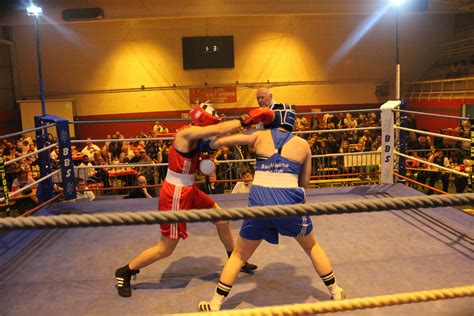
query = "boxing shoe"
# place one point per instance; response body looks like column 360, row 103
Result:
column 206, row 306
column 248, row 268
column 123, row 276
column 337, row 293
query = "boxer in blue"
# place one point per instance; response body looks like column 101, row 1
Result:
column 282, row 172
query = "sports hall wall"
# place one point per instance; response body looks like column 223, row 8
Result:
column 125, row 68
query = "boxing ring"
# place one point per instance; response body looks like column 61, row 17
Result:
column 59, row 271
column 70, row 271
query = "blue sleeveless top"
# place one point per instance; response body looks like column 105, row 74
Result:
column 276, row 163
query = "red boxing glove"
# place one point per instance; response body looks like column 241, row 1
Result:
column 264, row 115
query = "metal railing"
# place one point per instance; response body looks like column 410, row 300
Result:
column 440, row 89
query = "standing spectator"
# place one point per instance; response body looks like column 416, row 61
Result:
column 146, row 171
column 437, row 158
column 265, row 97
column 114, row 148
column 163, row 155
column 333, row 146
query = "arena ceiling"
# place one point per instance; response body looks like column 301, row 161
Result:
column 12, row 11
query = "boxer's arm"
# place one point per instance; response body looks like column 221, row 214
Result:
column 305, row 175
column 249, row 137
column 198, row 132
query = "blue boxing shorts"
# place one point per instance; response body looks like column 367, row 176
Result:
column 269, row 228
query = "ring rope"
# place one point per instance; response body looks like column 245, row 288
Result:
column 338, row 111
column 420, row 184
column 350, row 304
column 9, row 162
column 26, row 131
column 148, row 218
column 333, row 130
column 462, row 139
column 32, row 184
column 463, row 174
column 40, row 206
column 111, row 140
column 463, row 118
column 359, row 153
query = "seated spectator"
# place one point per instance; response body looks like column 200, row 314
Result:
column 22, row 180
column 86, row 173
column 126, row 155
column 212, row 187
column 54, row 155
column 30, row 200
column 141, row 192
column 90, row 149
column 147, row 171
column 83, row 195
column 301, row 123
column 244, row 186
column 160, row 128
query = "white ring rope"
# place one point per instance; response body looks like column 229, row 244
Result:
column 9, row 162
column 432, row 164
column 337, row 130
column 337, row 112
column 217, row 162
column 76, row 141
column 348, row 154
column 118, row 139
column 26, row 131
column 432, row 134
column 432, row 114
column 123, row 165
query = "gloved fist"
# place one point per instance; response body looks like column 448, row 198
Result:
column 264, row 115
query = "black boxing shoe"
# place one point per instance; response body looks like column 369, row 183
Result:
column 248, row 268
column 123, row 276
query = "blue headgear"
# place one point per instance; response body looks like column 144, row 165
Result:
column 285, row 116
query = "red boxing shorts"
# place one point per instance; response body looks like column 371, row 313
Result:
column 178, row 197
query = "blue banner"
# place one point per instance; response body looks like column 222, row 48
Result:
column 45, row 188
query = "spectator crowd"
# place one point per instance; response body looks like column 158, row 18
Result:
column 147, row 149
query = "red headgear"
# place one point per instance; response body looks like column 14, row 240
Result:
column 204, row 115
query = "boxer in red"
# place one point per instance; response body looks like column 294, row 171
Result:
column 179, row 192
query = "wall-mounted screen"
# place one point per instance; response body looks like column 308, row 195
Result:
column 203, row 52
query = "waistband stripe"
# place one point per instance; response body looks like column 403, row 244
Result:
column 275, row 180
column 183, row 179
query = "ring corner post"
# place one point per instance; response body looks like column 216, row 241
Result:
column 388, row 142
column 65, row 156
column 45, row 189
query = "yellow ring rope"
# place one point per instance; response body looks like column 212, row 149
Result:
column 349, row 304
